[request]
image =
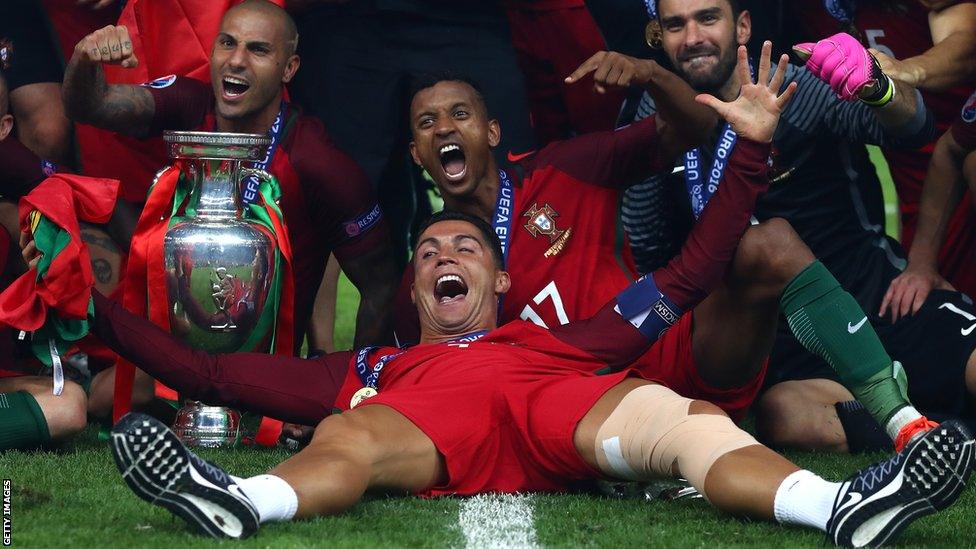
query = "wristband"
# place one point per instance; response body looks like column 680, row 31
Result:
column 886, row 87
column 647, row 309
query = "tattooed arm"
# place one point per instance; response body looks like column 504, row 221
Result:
column 89, row 99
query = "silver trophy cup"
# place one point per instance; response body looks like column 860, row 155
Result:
column 219, row 266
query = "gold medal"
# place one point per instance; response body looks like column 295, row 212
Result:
column 653, row 34
column 361, row 395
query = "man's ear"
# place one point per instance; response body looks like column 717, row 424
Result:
column 494, row 133
column 743, row 28
column 414, row 155
column 291, row 67
column 6, row 124
column 503, row 282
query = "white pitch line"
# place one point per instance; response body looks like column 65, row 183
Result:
column 495, row 521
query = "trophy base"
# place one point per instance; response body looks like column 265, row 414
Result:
column 202, row 426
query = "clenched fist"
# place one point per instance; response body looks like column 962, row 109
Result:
column 110, row 45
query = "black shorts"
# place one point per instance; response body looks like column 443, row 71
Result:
column 933, row 345
column 31, row 55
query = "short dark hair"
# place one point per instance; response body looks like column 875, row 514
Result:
column 483, row 227
column 736, row 6
column 427, row 80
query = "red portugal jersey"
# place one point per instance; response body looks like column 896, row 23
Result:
column 901, row 30
column 556, row 216
column 502, row 408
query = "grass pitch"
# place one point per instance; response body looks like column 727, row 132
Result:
column 75, row 497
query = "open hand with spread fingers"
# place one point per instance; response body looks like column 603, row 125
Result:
column 755, row 112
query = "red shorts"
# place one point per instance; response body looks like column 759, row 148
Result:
column 671, row 363
column 501, row 430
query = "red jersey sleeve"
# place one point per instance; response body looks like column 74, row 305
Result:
column 623, row 329
column 341, row 200
column 179, row 104
column 964, row 128
column 292, row 389
column 616, row 159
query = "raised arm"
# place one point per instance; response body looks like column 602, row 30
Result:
column 682, row 122
column 624, row 328
column 946, row 64
column 854, row 75
column 87, row 96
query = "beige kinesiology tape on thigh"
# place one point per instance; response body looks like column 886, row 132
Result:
column 651, row 430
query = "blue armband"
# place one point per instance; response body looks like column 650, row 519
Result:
column 646, row 308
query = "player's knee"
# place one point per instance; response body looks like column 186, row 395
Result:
column 654, row 431
column 66, row 414
column 773, row 249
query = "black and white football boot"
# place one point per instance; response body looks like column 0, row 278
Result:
column 161, row 470
column 878, row 502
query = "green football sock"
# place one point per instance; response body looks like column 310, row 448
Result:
column 22, row 423
column 828, row 322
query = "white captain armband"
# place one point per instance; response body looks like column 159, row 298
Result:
column 646, row 308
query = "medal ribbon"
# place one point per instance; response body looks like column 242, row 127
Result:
column 367, row 377
column 252, row 186
column 468, row 338
column 502, row 221
column 698, row 192
column 371, row 377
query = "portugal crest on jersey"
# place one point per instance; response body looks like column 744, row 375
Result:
column 543, row 221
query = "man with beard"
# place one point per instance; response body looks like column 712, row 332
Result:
column 327, row 203
column 556, row 217
column 824, row 185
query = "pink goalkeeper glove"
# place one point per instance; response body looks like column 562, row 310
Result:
column 840, row 61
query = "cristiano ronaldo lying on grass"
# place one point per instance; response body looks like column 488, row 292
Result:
column 476, row 408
